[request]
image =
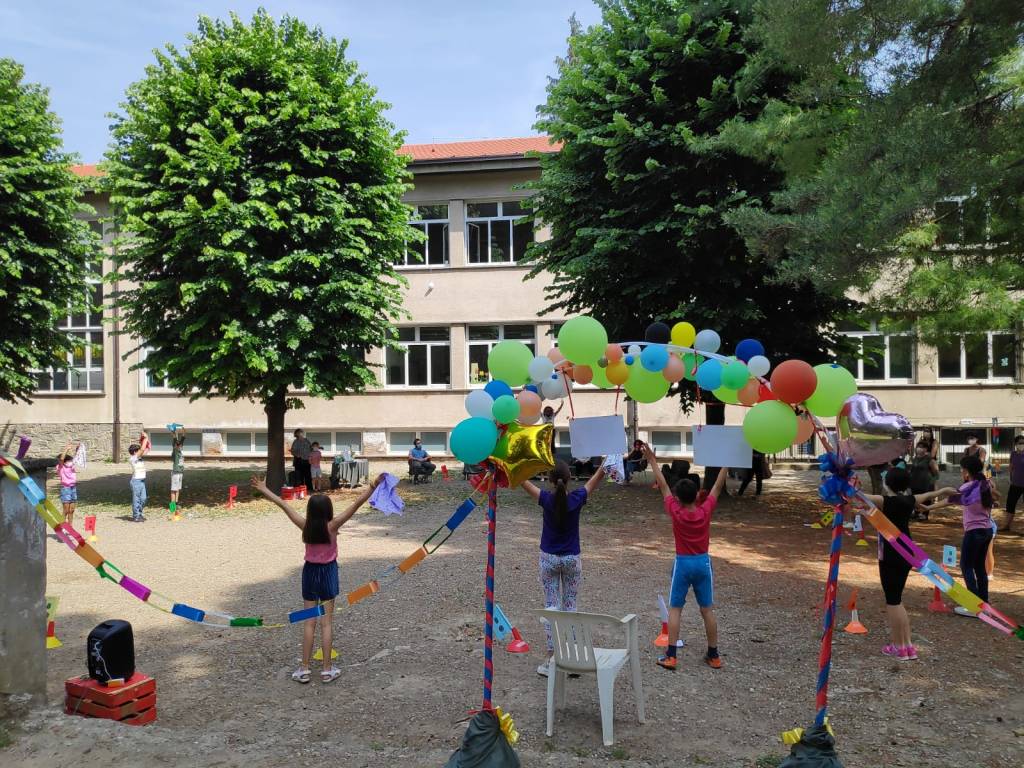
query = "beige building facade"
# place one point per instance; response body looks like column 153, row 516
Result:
column 466, row 292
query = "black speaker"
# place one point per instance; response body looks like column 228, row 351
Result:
column 110, row 651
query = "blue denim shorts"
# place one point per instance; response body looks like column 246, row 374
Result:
column 68, row 494
column 320, row 581
column 692, row 571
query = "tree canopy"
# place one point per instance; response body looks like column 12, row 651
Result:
column 639, row 197
column 44, row 247
column 259, row 185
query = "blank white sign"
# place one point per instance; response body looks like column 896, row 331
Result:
column 716, row 446
column 597, row 436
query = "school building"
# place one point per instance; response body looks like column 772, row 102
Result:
column 467, row 291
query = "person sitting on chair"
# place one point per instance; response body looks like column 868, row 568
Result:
column 419, row 460
column 635, row 461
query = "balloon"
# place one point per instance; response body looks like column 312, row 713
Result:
column 532, row 388
column 749, row 348
column 709, row 375
column 764, row 393
column 770, row 427
column 554, row 389
column 528, row 421
column 602, row 362
column 793, row 381
column 474, row 439
column 646, row 386
column 617, row 373
column 524, row 451
column 804, row 428
column 509, row 361
column 683, row 334
column 582, row 374
column 555, row 355
column 505, row 410
column 634, row 350
column 759, row 365
column 529, row 405
column 658, row 333
column 582, row 339
column 540, row 368
column 690, row 364
column 496, row 389
column 479, row 403
column 726, row 395
column 629, row 359
column 654, row 357
column 870, row 435
column 735, row 375
column 601, row 378
column 707, row 341
column 674, row 369
column 748, row 394
column 835, row 385
column 613, row 352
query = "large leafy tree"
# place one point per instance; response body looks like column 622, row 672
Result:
column 260, row 185
column 44, row 247
column 902, row 140
column 638, row 198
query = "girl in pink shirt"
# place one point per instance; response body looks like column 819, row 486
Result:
column 320, row 571
column 68, row 482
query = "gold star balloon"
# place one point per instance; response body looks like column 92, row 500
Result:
column 522, row 452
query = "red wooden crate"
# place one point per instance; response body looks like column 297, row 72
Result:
column 86, row 708
column 137, row 686
column 140, row 718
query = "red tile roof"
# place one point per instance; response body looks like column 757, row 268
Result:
column 484, row 149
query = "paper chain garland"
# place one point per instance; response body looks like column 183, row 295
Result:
column 53, row 517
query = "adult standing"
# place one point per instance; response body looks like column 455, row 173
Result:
column 301, row 448
column 928, row 439
column 758, row 464
column 975, row 448
column 1016, row 481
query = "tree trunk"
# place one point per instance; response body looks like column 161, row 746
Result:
column 275, row 409
column 715, row 411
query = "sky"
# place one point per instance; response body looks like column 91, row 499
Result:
column 451, row 69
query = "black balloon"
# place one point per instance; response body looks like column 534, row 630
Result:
column 658, row 333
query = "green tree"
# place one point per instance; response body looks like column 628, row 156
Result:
column 902, row 140
column 44, row 247
column 261, row 188
column 638, row 197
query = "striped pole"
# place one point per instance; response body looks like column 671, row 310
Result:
column 492, row 514
column 831, row 591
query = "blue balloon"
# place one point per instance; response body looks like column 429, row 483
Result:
column 628, row 360
column 474, row 439
column 532, row 388
column 654, row 357
column 496, row 389
column 709, row 375
column 749, row 348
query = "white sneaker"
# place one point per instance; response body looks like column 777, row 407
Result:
column 961, row 611
column 542, row 670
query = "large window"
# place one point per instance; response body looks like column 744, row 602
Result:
column 979, row 357
column 497, row 233
column 671, row 443
column 483, row 337
column 162, row 441
column 881, row 356
column 83, row 369
column 432, row 221
column 423, row 361
column 434, row 443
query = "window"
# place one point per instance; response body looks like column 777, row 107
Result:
column 670, row 443
column 150, row 381
column 83, row 367
column 423, row 361
column 483, row 337
column 964, row 220
column 352, row 441
column 433, row 442
column 979, row 357
column 161, row 439
column 497, row 233
column 882, row 356
column 432, row 221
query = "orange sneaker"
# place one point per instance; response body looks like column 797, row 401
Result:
column 713, row 662
column 667, row 662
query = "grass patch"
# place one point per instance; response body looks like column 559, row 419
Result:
column 618, row 753
column 768, row 761
column 5, row 738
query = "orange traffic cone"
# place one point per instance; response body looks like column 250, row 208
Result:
column 51, row 621
column 937, row 605
column 445, row 475
column 854, row 627
column 661, row 641
column 858, row 526
column 90, row 527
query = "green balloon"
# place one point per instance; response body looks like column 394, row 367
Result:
column 646, row 386
column 505, row 409
column 835, row 385
column 735, row 375
column 601, row 378
column 691, row 363
column 770, row 426
column 509, row 361
column 726, row 395
column 582, row 340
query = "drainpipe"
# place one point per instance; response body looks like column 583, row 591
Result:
column 116, row 452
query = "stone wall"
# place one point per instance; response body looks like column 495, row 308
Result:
column 49, row 439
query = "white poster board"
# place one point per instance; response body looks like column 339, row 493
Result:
column 716, row 446
column 597, row 436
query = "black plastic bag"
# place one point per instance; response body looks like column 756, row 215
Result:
column 816, row 749
column 484, row 746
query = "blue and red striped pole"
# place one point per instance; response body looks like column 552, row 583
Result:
column 492, row 514
column 831, row 592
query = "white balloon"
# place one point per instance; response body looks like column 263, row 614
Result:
column 479, row 403
column 634, row 350
column 554, row 389
column 707, row 341
column 541, row 368
column 759, row 365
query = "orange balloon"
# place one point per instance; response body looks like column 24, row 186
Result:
column 674, row 371
column 804, row 428
column 529, row 406
column 613, row 353
column 617, row 373
column 748, row 394
column 793, row 381
column 583, row 374
column 555, row 356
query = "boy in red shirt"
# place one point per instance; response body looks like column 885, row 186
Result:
column 691, row 525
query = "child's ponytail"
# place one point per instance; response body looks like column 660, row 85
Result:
column 560, row 477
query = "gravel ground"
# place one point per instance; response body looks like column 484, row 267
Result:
column 412, row 660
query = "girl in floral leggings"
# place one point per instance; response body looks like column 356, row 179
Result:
column 560, row 567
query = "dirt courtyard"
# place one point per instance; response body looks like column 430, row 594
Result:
column 411, row 656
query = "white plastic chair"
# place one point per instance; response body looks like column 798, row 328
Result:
column 572, row 635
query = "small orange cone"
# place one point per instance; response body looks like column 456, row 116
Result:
column 854, row 627
column 858, row 526
column 90, row 527
column 937, row 605
column 661, row 641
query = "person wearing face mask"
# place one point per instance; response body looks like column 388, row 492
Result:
column 974, row 448
column 1016, row 481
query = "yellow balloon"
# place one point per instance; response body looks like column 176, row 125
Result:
column 683, row 334
column 523, row 452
